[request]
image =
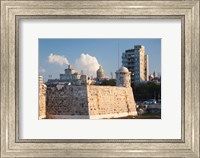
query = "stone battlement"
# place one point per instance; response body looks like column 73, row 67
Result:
column 89, row 101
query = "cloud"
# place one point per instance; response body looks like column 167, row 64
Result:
column 41, row 70
column 88, row 64
column 58, row 59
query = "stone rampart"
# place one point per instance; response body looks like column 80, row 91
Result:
column 90, row 101
column 67, row 101
column 110, row 101
column 42, row 100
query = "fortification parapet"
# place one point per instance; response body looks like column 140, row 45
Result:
column 90, row 101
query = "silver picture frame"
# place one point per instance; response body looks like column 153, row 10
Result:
column 187, row 11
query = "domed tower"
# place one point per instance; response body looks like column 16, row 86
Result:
column 100, row 73
column 123, row 77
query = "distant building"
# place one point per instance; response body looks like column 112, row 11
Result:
column 70, row 77
column 137, row 63
column 155, row 74
column 154, row 77
column 100, row 73
column 40, row 79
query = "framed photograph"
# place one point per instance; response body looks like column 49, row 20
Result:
column 87, row 81
column 100, row 78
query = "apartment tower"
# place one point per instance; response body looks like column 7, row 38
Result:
column 136, row 60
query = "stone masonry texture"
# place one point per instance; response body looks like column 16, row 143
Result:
column 42, row 100
column 110, row 100
column 70, row 100
column 90, row 100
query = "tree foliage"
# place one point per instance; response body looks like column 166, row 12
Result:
column 110, row 82
column 147, row 90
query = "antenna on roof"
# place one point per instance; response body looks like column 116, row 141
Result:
column 118, row 52
column 111, row 74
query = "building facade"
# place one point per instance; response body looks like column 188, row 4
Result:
column 70, row 77
column 70, row 74
column 137, row 62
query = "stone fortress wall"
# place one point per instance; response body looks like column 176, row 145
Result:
column 110, row 102
column 42, row 100
column 67, row 102
column 89, row 101
column 71, row 100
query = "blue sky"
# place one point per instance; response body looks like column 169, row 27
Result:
column 104, row 50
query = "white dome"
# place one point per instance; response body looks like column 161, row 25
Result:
column 123, row 69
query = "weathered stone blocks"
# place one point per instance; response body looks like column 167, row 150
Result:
column 42, row 100
column 89, row 101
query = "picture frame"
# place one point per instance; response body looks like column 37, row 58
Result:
column 187, row 11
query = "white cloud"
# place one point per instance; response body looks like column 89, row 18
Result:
column 88, row 64
column 41, row 70
column 54, row 58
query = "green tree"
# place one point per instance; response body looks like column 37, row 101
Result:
column 146, row 90
column 110, row 82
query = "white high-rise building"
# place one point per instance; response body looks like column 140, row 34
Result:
column 136, row 60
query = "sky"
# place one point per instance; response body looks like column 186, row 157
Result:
column 87, row 54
